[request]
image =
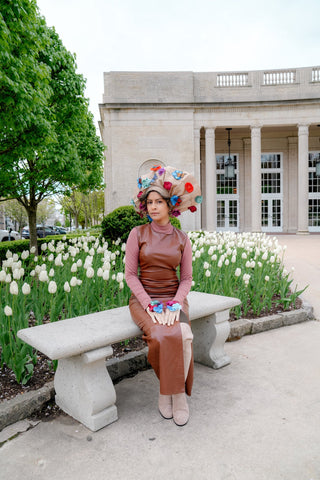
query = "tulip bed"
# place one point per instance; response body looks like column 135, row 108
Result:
column 82, row 275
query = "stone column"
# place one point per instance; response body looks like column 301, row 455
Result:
column 256, row 179
column 303, row 190
column 211, row 181
column 196, row 140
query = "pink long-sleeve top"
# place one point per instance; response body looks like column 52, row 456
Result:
column 132, row 263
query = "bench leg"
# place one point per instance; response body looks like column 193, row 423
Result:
column 84, row 389
column 209, row 336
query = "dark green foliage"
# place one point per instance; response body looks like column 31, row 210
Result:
column 121, row 221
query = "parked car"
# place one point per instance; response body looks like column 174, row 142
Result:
column 10, row 234
column 25, row 232
column 61, row 230
column 42, row 231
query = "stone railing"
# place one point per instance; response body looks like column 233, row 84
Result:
column 232, row 79
column 279, row 77
column 315, row 76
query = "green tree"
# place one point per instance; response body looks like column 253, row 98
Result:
column 48, row 141
column 16, row 212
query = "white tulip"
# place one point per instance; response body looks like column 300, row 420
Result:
column 79, row 281
column 206, row 265
column 25, row 254
column 73, row 281
column 14, row 290
column 8, row 311
column 79, row 263
column 51, row 273
column 266, row 278
column 16, row 274
column 99, row 272
column 66, row 287
column 32, row 273
column 226, row 262
column 33, row 250
column 208, row 273
column 26, row 289
column 120, row 277
column 123, row 247
column 8, row 254
column 2, row 275
column 113, row 277
column 121, row 285
column 52, row 287
column 8, row 278
column 113, row 256
column 44, row 247
column 35, row 259
column 106, row 275
column 90, row 272
column 74, row 268
column 237, row 272
column 51, row 257
column 43, row 276
column 15, row 257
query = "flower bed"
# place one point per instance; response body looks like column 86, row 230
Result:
column 82, row 275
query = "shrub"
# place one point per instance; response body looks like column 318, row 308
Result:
column 121, row 221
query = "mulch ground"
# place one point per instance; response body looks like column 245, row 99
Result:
column 43, row 370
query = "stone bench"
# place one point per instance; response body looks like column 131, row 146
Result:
column 84, row 389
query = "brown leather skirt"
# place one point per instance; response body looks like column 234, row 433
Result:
column 165, row 348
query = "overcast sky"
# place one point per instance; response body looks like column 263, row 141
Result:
column 194, row 35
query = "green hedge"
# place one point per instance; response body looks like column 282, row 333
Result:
column 122, row 220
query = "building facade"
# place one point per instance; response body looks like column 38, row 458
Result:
column 266, row 178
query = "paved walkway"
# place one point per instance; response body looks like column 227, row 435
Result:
column 256, row 419
column 303, row 253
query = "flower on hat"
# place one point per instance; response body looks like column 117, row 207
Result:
column 139, row 194
column 189, row 187
column 161, row 171
column 139, row 182
column 175, row 200
column 175, row 213
column 167, row 185
column 155, row 168
column 146, row 182
column 192, row 208
column 198, row 199
column 178, row 174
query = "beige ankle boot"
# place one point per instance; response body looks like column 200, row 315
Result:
column 165, row 406
column 180, row 409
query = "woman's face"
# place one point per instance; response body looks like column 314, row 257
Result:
column 157, row 208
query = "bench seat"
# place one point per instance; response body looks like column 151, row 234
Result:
column 82, row 383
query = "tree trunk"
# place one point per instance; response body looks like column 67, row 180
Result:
column 32, row 218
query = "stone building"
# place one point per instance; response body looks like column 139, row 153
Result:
column 271, row 180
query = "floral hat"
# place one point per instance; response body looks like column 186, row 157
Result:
column 180, row 187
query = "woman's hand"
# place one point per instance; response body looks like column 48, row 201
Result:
column 171, row 317
column 156, row 317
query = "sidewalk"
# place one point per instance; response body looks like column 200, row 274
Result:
column 303, row 253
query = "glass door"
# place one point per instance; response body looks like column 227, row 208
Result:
column 271, row 192
column 314, row 193
column 227, row 196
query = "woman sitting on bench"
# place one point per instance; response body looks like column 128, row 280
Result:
column 158, row 304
